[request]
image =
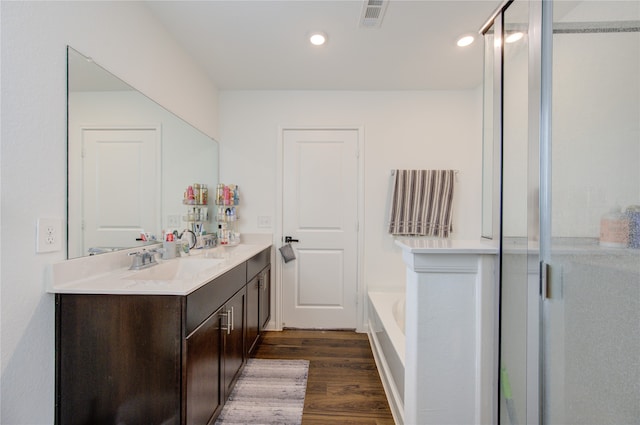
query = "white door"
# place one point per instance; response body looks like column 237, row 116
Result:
column 320, row 210
column 120, row 168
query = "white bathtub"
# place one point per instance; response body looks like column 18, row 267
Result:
column 387, row 338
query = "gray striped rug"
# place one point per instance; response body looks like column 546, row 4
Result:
column 267, row 392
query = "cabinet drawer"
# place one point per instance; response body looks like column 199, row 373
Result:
column 258, row 262
column 206, row 300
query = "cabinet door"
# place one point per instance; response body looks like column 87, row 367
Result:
column 264, row 309
column 203, row 396
column 253, row 316
column 114, row 363
column 234, row 339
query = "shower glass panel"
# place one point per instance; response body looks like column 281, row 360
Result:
column 515, row 274
column 490, row 102
column 591, row 312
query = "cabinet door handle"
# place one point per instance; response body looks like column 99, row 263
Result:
column 232, row 318
column 225, row 318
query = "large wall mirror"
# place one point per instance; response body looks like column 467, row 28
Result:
column 129, row 162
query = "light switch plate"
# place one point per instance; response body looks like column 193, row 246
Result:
column 264, row 221
column 49, row 235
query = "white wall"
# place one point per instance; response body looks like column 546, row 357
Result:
column 596, row 130
column 404, row 129
column 124, row 38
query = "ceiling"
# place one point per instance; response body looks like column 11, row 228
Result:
column 263, row 44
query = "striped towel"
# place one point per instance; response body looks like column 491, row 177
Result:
column 421, row 203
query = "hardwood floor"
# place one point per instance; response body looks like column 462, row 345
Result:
column 343, row 386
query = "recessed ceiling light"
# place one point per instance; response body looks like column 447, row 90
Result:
column 318, row 38
column 513, row 37
column 465, row 40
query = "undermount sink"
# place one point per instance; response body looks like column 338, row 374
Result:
column 178, row 269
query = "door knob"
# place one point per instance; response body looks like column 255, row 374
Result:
column 289, row 239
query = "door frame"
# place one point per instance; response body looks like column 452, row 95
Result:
column 277, row 237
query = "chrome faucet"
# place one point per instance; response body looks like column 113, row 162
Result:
column 95, row 250
column 143, row 259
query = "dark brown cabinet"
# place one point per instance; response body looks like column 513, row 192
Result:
column 204, row 348
column 215, row 352
column 258, row 296
column 253, row 314
column 258, row 306
column 153, row 359
column 118, row 359
column 233, row 335
column 264, row 300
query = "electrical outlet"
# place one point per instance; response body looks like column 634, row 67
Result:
column 264, row 221
column 49, row 235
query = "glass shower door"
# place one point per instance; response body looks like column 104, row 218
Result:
column 518, row 278
column 591, row 297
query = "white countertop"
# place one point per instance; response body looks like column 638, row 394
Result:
column 447, row 246
column 97, row 275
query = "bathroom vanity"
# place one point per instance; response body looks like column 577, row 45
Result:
column 138, row 347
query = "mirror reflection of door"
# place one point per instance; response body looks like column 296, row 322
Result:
column 320, row 210
column 120, row 167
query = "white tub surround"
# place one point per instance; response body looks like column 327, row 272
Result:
column 386, row 336
column 450, row 331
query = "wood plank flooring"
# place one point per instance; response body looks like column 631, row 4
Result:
column 343, row 386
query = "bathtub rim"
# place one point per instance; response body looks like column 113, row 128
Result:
column 394, row 397
column 379, row 297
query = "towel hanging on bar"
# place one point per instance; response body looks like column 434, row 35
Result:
column 421, row 203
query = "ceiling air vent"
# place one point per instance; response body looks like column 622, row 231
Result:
column 372, row 13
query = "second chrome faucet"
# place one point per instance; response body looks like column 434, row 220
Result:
column 143, row 259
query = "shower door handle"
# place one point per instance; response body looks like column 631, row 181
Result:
column 545, row 280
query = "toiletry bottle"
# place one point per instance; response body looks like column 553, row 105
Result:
column 633, row 214
column 227, row 194
column 225, row 234
column 204, row 194
column 169, row 247
column 614, row 229
column 232, row 191
column 196, row 192
column 190, row 196
column 220, row 194
column 184, row 247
